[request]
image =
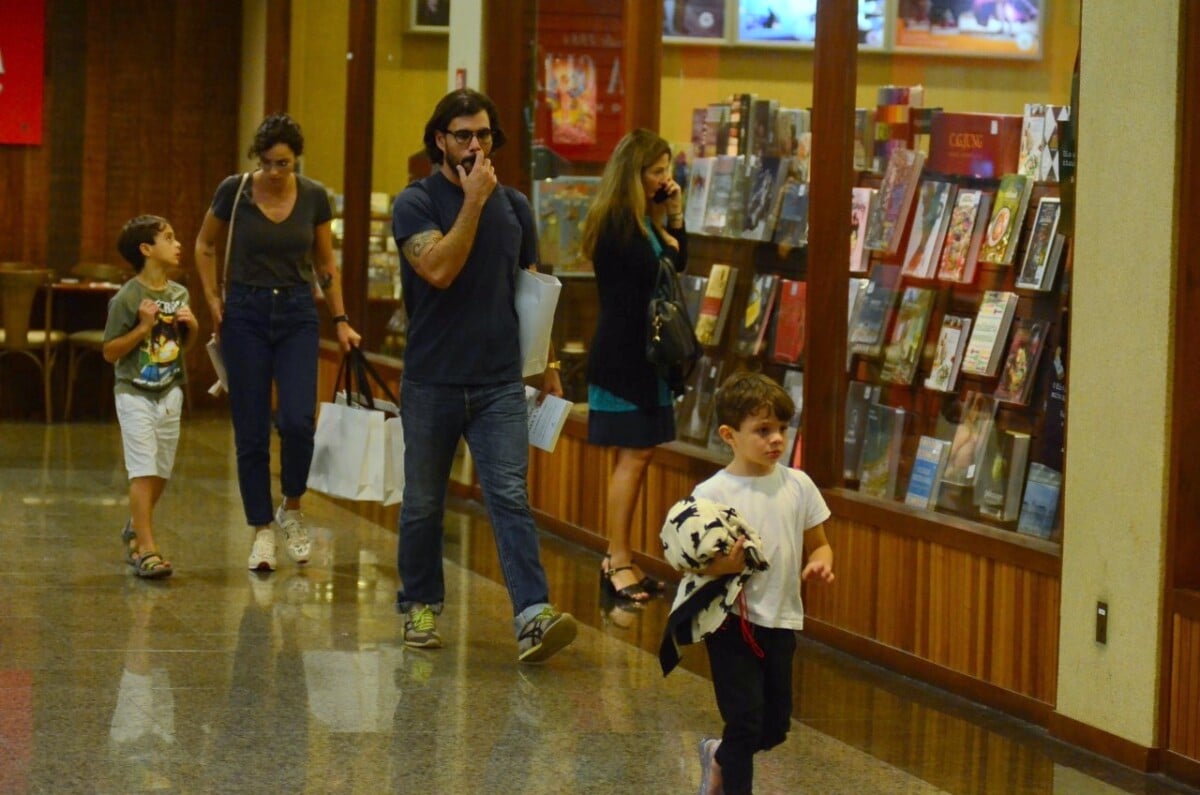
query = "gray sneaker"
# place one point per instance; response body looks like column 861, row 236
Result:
column 420, row 628
column 544, row 635
column 295, row 534
column 708, row 752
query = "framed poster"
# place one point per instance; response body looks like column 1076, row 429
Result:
column 794, row 24
column 429, row 16
column 560, row 206
column 695, row 21
column 970, row 28
column 22, row 54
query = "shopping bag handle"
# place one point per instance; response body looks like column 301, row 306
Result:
column 355, row 377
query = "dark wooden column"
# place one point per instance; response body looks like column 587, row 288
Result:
column 359, row 136
column 278, row 56
column 832, row 176
column 642, row 63
column 508, row 65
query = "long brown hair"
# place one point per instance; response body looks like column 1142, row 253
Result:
column 621, row 201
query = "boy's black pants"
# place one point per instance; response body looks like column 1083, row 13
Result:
column 754, row 696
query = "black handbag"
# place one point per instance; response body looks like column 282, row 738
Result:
column 670, row 337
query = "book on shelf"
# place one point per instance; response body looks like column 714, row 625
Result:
column 968, row 443
column 1039, row 506
column 1002, row 476
column 947, row 353
column 793, row 383
column 720, row 195
column 874, row 310
column 858, row 288
column 696, row 205
column 1041, row 131
column 714, row 306
column 787, row 346
column 757, row 222
column 964, row 235
column 790, row 124
column 792, row 227
column 893, row 120
column 990, row 332
column 982, row 145
column 860, row 208
column 1051, row 449
column 1004, row 225
column 859, row 395
column 739, row 124
column 1020, row 366
column 697, row 144
column 716, row 129
column 906, row 343
column 695, row 409
column 927, row 469
column 762, row 128
column 1041, row 243
column 864, row 139
column 883, row 438
column 693, row 287
column 889, row 212
column 802, row 158
column 763, row 289
column 934, row 207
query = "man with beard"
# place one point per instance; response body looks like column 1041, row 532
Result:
column 462, row 240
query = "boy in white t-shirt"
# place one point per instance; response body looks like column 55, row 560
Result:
column 751, row 654
column 149, row 326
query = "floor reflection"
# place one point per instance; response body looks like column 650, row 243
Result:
column 220, row 680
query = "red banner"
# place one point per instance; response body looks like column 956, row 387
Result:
column 22, row 52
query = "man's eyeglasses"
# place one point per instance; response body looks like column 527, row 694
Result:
column 484, row 136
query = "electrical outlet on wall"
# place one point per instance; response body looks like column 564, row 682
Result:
column 1102, row 622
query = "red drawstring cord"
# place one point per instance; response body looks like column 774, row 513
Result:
column 747, row 632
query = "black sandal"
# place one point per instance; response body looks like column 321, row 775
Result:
column 632, row 593
column 151, row 566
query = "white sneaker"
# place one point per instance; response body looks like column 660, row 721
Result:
column 262, row 554
column 295, row 533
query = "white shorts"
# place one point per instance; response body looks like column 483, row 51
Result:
column 149, row 432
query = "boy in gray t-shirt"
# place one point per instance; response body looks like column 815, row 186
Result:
column 149, row 326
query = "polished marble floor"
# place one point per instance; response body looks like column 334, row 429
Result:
column 223, row 681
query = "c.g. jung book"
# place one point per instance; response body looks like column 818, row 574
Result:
column 1041, row 243
column 947, row 354
column 964, row 236
column 907, row 341
column 1039, row 508
column 883, row 439
column 889, row 212
column 927, row 470
column 1020, row 367
column 992, row 322
column 1004, row 227
column 974, row 144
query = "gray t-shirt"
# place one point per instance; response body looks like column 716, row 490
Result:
column 266, row 253
column 154, row 366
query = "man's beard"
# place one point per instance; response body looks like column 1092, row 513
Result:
column 467, row 162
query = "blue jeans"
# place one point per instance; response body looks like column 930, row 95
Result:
column 270, row 335
column 493, row 420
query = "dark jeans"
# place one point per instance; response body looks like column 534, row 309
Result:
column 270, row 335
column 493, row 420
column 754, row 696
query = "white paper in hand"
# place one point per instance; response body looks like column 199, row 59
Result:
column 546, row 420
column 536, row 299
column 213, row 346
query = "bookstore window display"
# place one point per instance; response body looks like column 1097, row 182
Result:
column 956, row 311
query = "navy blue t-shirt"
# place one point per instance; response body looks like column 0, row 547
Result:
column 465, row 334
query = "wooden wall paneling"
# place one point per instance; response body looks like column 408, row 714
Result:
column 1184, row 733
column 278, row 57
column 93, row 196
column 359, row 140
column 66, row 102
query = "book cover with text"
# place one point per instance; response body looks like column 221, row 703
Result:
column 969, row 441
column 889, row 212
column 990, row 332
column 947, row 353
column 758, row 309
column 1004, row 226
column 927, row 469
column 860, row 208
column 1041, row 243
column 874, row 310
column 1020, row 366
column 934, row 207
column 964, row 235
column 788, row 345
column 882, row 442
column 714, row 306
column 907, row 340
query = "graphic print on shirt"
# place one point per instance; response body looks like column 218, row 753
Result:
column 158, row 356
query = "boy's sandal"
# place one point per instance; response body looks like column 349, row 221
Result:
column 151, row 566
column 129, row 538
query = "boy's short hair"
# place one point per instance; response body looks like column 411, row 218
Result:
column 143, row 229
column 744, row 394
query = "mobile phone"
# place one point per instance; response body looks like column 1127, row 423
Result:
column 661, row 195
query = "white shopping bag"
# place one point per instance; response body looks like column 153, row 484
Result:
column 536, row 299
column 348, row 453
column 393, row 461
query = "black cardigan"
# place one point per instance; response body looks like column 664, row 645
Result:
column 625, row 276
